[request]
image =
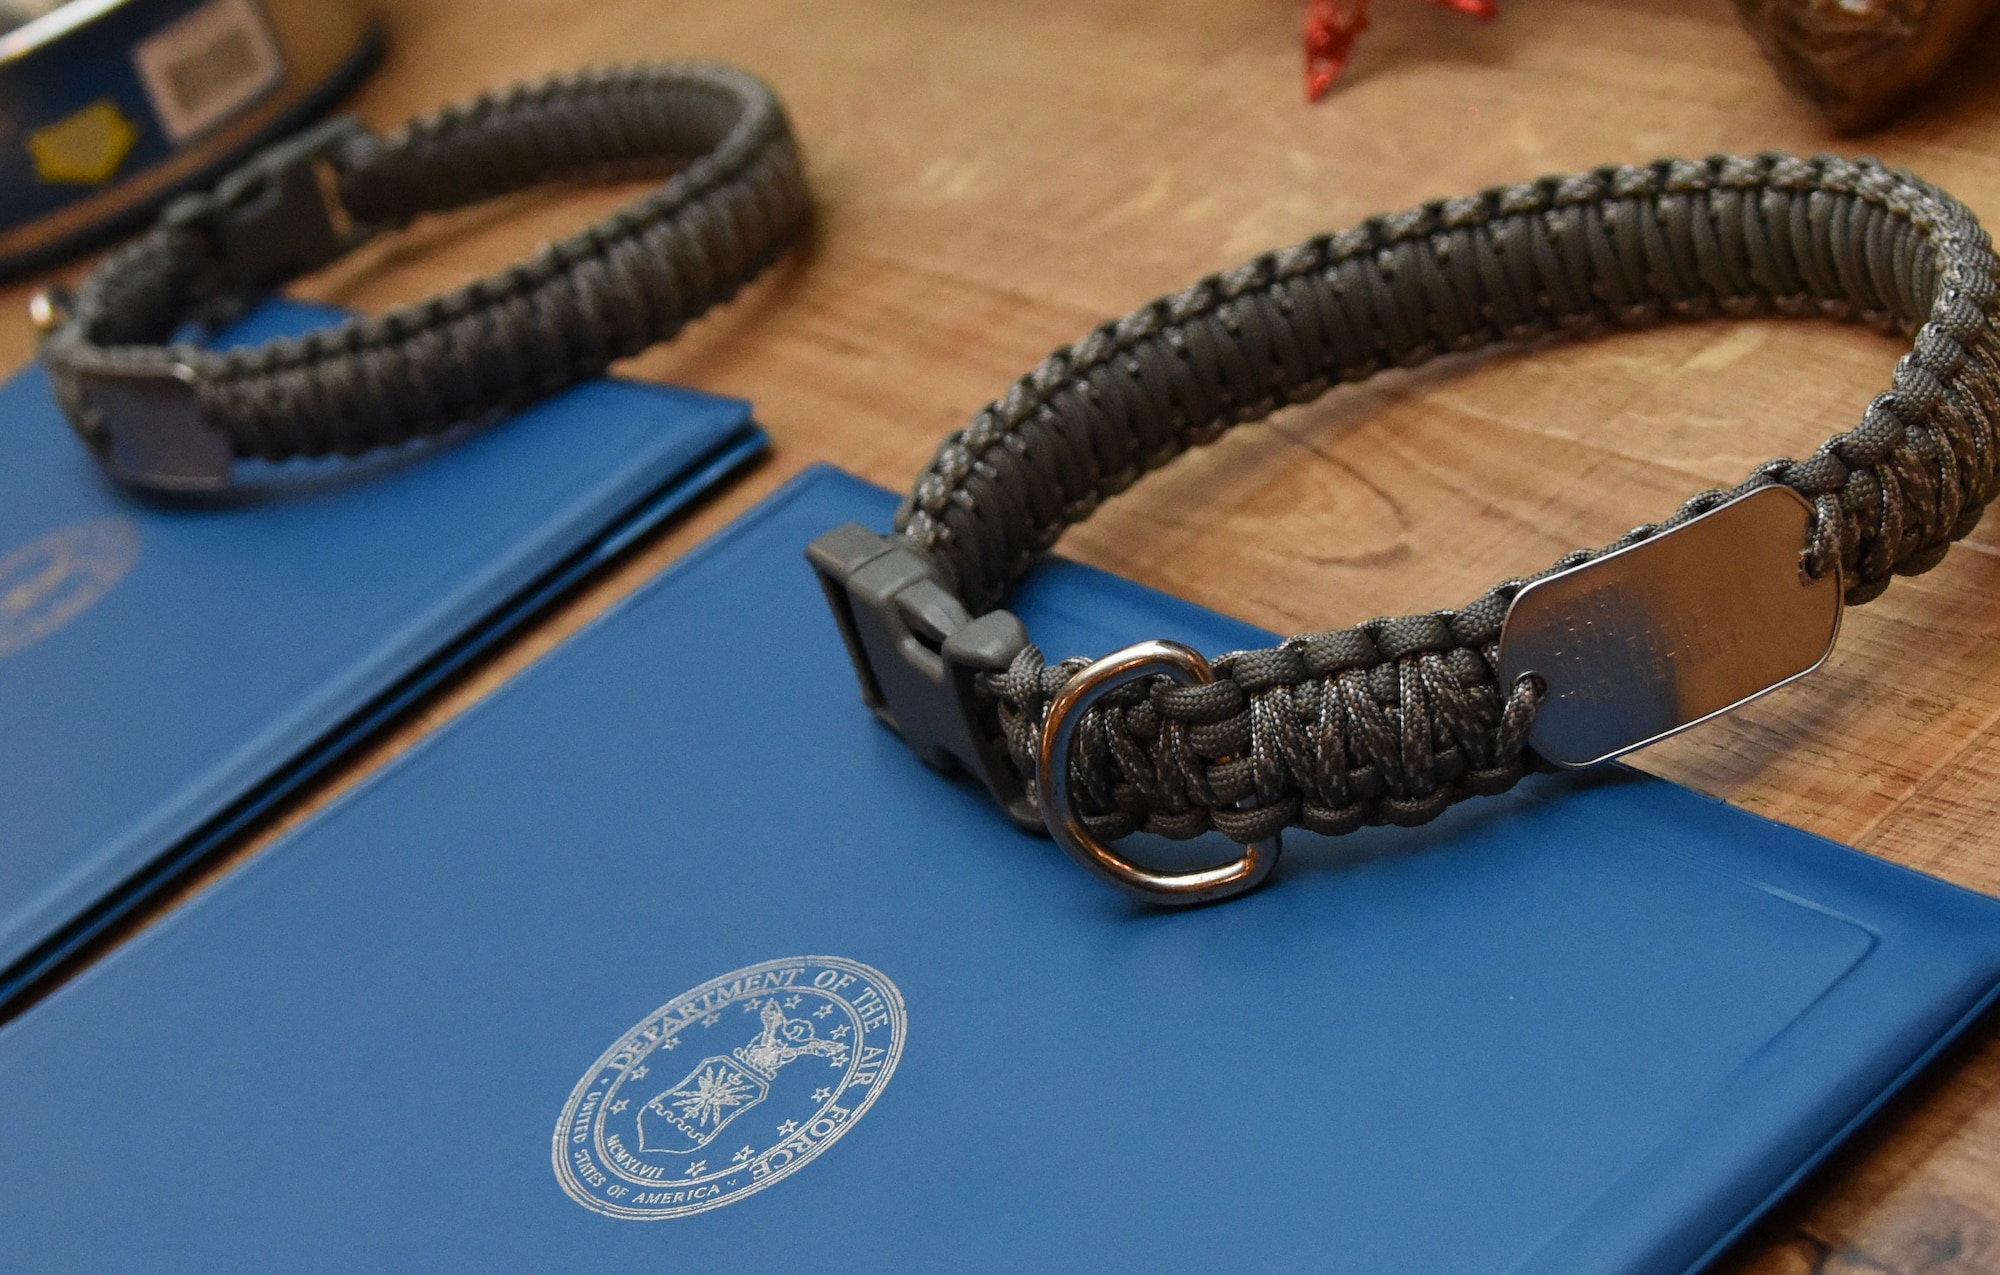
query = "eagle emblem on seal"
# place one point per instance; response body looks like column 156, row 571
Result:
column 688, row 1116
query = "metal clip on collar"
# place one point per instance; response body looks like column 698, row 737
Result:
column 1156, row 657
column 147, row 427
column 277, row 217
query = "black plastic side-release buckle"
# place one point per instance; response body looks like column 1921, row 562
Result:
column 279, row 215
column 917, row 653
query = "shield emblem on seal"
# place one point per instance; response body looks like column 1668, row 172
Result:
column 688, row 1116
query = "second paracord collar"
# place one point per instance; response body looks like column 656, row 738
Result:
column 172, row 416
column 1394, row 720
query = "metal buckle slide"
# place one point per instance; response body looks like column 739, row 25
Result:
column 1144, row 659
column 148, row 429
column 917, row 653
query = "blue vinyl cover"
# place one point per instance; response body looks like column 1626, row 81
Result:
column 1595, row 1025
column 166, row 669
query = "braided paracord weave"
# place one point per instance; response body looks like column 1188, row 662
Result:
column 735, row 199
column 1393, row 720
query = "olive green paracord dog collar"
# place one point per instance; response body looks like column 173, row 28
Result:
column 175, row 416
column 1394, row 720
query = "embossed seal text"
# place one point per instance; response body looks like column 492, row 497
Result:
column 729, row 1088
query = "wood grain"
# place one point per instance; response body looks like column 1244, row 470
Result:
column 995, row 178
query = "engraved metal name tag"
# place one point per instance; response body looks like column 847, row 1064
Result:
column 1653, row 639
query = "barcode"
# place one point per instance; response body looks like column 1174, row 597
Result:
column 208, row 65
column 216, row 71
column 19, row 13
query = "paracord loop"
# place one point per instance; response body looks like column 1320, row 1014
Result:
column 735, row 199
column 1393, row 720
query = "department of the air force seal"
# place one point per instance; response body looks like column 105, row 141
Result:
column 726, row 1089
column 46, row 583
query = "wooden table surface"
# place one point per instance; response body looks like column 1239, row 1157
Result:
column 995, row 178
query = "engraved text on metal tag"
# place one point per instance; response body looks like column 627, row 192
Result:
column 1650, row 640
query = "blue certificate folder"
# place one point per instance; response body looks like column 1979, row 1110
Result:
column 667, row 956
column 167, row 671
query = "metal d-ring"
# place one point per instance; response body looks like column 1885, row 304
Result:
column 1143, row 659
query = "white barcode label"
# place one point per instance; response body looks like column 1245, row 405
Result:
column 208, row 65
